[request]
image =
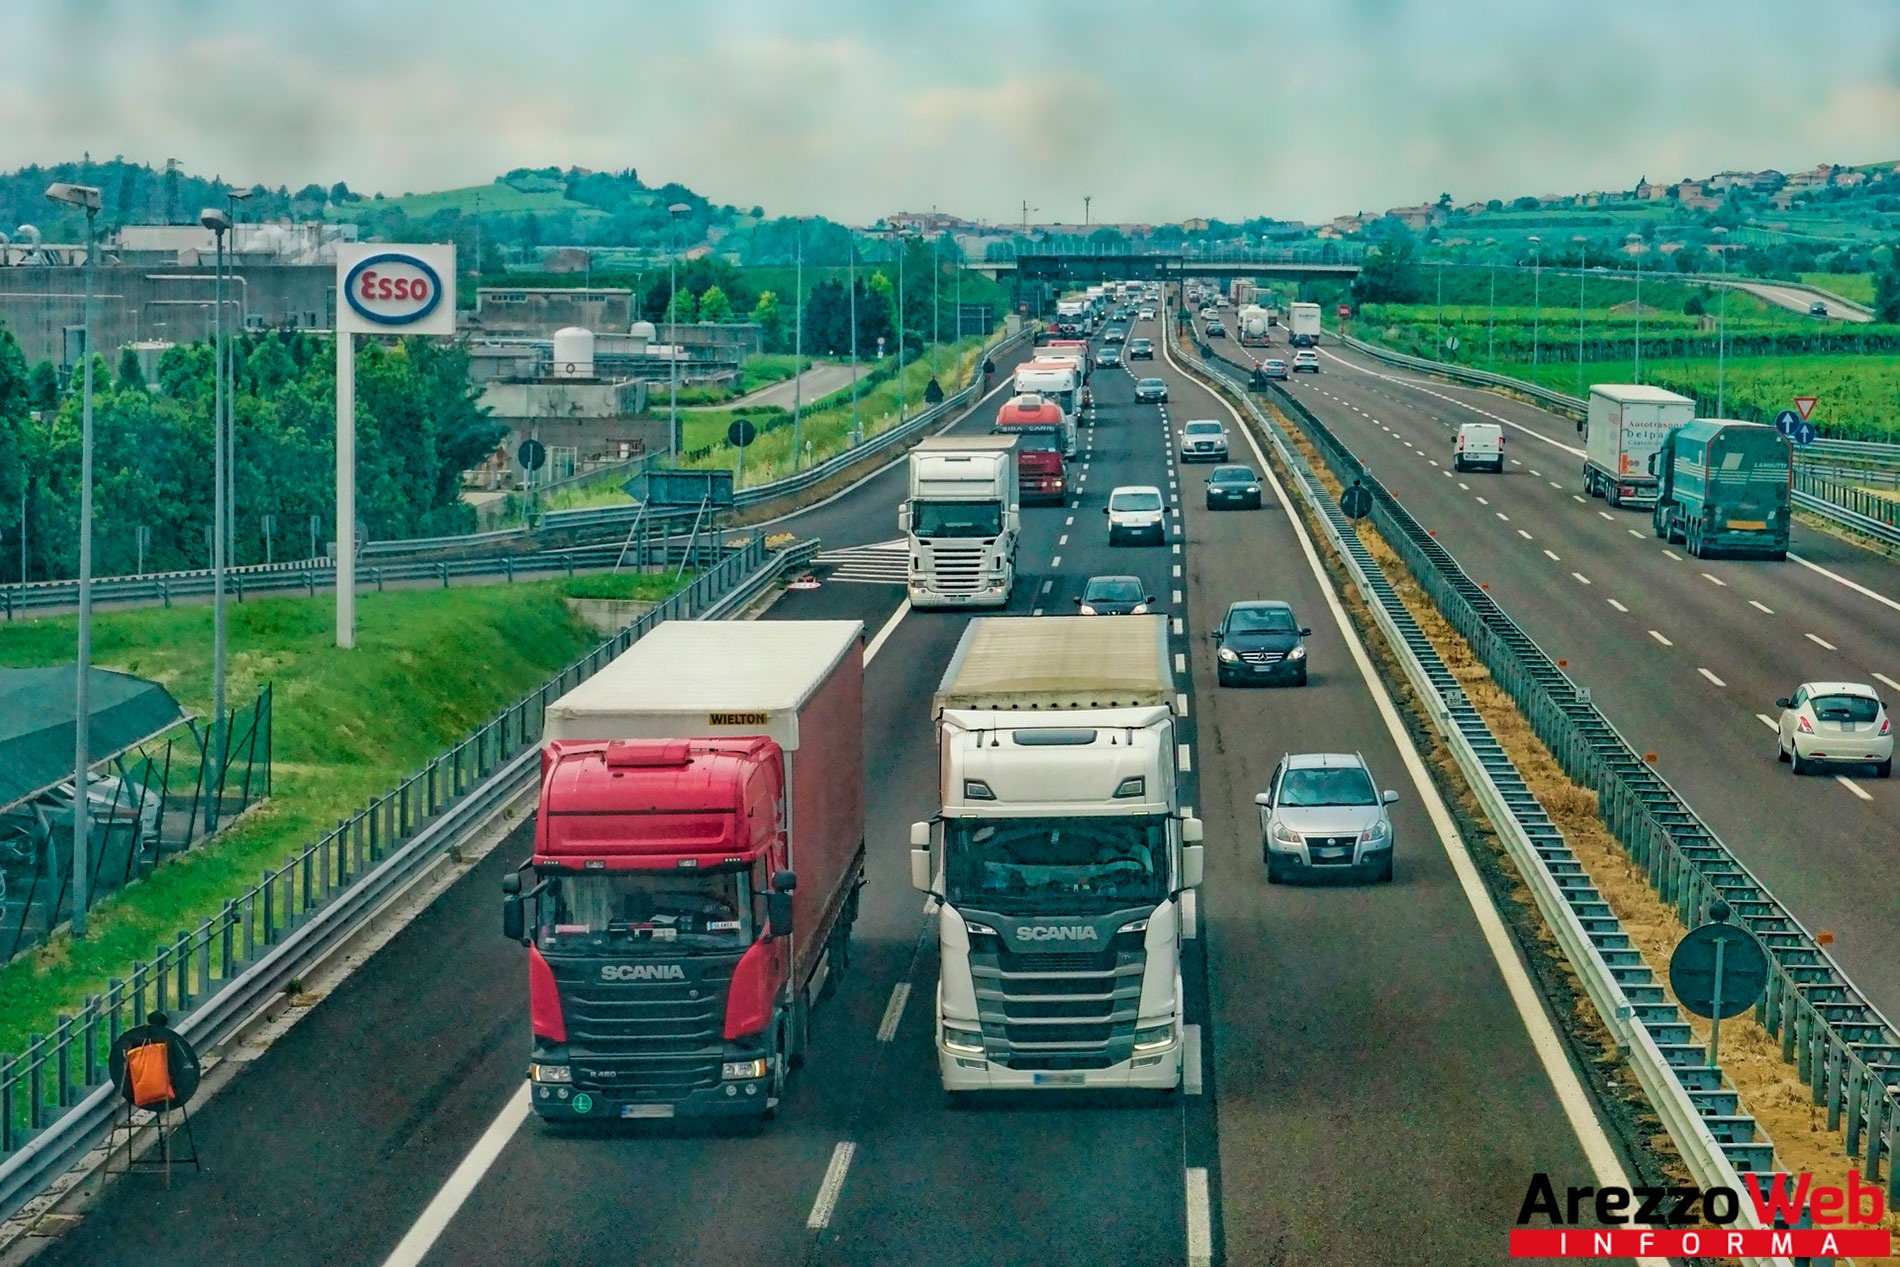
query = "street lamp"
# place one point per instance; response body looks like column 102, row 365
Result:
column 677, row 210
column 86, row 198
column 1721, row 322
column 1634, row 239
column 1583, row 259
column 1491, row 317
column 857, row 428
column 798, row 351
column 232, row 200
column 219, row 222
column 903, row 240
column 1537, row 311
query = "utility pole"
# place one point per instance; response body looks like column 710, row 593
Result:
column 798, row 353
column 857, row 427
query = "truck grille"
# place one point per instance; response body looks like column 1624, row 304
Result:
column 959, row 569
column 1054, row 1010
column 643, row 1040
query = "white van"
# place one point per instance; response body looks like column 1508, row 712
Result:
column 1479, row 444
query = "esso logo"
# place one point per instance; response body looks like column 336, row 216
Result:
column 393, row 289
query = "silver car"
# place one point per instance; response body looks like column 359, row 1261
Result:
column 1322, row 812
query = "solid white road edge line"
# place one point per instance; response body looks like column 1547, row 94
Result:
column 1200, row 1228
column 434, row 1220
column 1569, row 1088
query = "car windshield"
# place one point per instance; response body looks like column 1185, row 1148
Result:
column 1152, row 384
column 1276, row 365
column 1203, row 428
column 1260, row 620
column 1845, row 708
column 957, row 519
column 1021, row 866
column 1231, row 475
column 1313, row 787
column 1139, row 343
column 1135, row 501
column 701, row 907
column 1114, row 589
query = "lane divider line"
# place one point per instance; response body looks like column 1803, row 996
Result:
column 893, row 1012
column 1705, row 673
column 1200, row 1230
column 884, row 634
column 827, row 1200
column 435, row 1217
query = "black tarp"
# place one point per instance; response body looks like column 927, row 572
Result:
column 36, row 723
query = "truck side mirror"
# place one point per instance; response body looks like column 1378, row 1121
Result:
column 778, row 914
column 1193, row 866
column 920, row 835
column 1192, row 832
column 920, row 870
column 903, row 517
column 511, row 883
column 784, row 881
column 513, row 918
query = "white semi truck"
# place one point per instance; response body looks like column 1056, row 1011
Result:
column 962, row 519
column 1064, row 868
column 1625, row 428
column 1302, row 325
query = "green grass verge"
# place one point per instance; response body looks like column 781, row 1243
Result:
column 1858, row 287
column 429, row 667
column 621, row 585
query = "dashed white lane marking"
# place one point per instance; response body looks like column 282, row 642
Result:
column 1501, row 515
column 1183, row 758
column 1181, row 703
column 1819, row 641
column 1659, row 638
column 1177, row 569
column 1578, row 500
column 1527, row 536
column 1767, row 721
column 1465, row 486
column 1705, row 673
column 1180, row 663
column 1889, row 681
column 1856, row 586
column 1555, row 484
column 1063, row 539
column 1539, row 474
column 1634, row 533
column 1200, row 1228
column 827, row 1200
column 1766, row 611
column 1853, row 787
column 1179, row 628
column 1612, row 602
column 893, row 1012
column 1552, row 556
column 1191, row 1060
column 1607, row 515
column 1177, row 598
column 1069, row 522
column 423, row 1235
column 1056, row 562
column 1714, row 579
column 1483, row 502
column 1047, row 586
column 1581, row 578
column 889, row 628
column 1672, row 554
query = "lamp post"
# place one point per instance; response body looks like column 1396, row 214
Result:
column 1721, row 321
column 1491, row 316
column 233, row 198
column 86, row 198
column 798, row 351
column 677, row 210
column 1537, row 311
column 857, row 428
column 1634, row 239
column 219, row 222
column 1583, row 257
column 902, row 240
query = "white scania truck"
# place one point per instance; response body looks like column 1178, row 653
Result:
column 962, row 518
column 1064, row 869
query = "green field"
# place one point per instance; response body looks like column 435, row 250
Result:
column 494, row 198
column 1858, row 287
column 428, row 668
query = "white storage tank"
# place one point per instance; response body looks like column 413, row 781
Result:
column 573, row 352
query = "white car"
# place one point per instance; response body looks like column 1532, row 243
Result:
column 1204, row 440
column 1146, row 314
column 1834, row 723
column 1136, row 511
column 1306, row 362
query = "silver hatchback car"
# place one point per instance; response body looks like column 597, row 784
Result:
column 1322, row 812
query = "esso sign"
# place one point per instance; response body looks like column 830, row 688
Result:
column 393, row 289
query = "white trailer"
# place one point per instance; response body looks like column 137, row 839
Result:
column 1065, row 866
column 1302, row 325
column 962, row 518
column 1626, row 426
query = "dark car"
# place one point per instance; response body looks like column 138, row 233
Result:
column 1141, row 349
column 1817, row 309
column 1275, row 368
column 1114, row 596
column 1114, row 335
column 1108, row 358
column 1260, row 641
column 1151, row 389
column 1233, row 486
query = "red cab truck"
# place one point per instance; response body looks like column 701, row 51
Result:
column 698, row 851
column 1042, row 476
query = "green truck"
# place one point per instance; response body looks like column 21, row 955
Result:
column 1724, row 486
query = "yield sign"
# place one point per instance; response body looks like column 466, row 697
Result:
column 1805, row 404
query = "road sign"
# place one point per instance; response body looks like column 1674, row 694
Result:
column 532, row 455
column 741, row 433
column 1451, row 344
column 1806, row 405
column 1805, row 433
column 661, row 490
column 1744, row 970
column 1344, row 311
column 1786, row 421
column 1356, row 502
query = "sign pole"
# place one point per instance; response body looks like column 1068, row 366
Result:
column 1715, row 1022
column 345, row 489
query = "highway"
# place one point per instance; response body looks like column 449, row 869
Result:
column 1799, row 301
column 1685, row 656
column 1376, row 1066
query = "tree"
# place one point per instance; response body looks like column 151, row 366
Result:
column 340, row 194
column 1689, row 259
column 131, row 373
column 1526, row 203
column 770, row 320
column 714, row 306
column 685, row 308
column 1887, row 295
column 1390, row 274
column 42, row 386
column 1694, row 306
column 312, row 194
column 1496, row 204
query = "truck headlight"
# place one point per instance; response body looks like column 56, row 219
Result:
column 1227, row 655
column 538, row 1072
column 1154, row 1038
column 963, row 1040
column 743, row 1068
column 1298, row 653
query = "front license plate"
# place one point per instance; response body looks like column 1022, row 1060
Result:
column 1058, row 1080
column 646, row 1110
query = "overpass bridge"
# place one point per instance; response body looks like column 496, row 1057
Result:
column 1324, row 264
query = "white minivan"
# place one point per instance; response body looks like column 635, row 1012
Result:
column 1479, row 444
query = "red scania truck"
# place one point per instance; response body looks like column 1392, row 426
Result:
column 1040, row 428
column 698, row 851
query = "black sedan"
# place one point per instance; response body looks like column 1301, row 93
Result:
column 1114, row 596
column 1108, row 358
column 1151, row 389
column 1260, row 642
column 1233, row 487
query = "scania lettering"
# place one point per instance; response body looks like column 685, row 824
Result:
column 1062, row 867
column 698, row 849
column 962, row 520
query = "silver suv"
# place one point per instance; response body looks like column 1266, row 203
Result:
column 1322, row 812
column 1204, row 440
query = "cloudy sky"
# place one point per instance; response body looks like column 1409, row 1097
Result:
column 852, row 109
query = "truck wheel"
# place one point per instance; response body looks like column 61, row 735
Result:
column 1612, row 496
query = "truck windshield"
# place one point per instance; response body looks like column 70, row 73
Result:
column 708, row 908
column 1034, row 439
column 1019, row 866
column 957, row 519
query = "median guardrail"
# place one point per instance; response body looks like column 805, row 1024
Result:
column 55, row 1103
column 1843, row 1048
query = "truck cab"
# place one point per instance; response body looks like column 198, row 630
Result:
column 1041, row 433
column 1725, row 485
column 962, row 519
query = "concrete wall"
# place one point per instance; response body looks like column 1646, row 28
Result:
column 539, row 312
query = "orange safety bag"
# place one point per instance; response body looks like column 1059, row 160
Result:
column 148, row 1071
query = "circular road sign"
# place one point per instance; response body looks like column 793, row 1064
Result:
column 181, row 1061
column 1356, row 502
column 741, row 433
column 532, row 455
column 1804, row 433
column 1786, row 421
column 1744, row 969
column 392, row 288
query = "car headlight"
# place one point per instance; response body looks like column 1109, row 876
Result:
column 1154, row 1037
column 1253, row 488
column 1378, row 831
column 1086, row 610
column 1227, row 655
column 539, row 1072
column 963, row 1040
column 1141, row 609
column 1285, row 835
column 743, row 1068
column 1298, row 653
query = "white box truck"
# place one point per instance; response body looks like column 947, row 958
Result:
column 1064, row 870
column 962, row 519
column 1302, row 325
column 1626, row 426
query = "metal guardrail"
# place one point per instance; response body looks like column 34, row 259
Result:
column 1842, row 1046
column 54, row 1101
column 1880, row 529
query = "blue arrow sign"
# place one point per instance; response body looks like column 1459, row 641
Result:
column 1804, row 433
column 1786, row 421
